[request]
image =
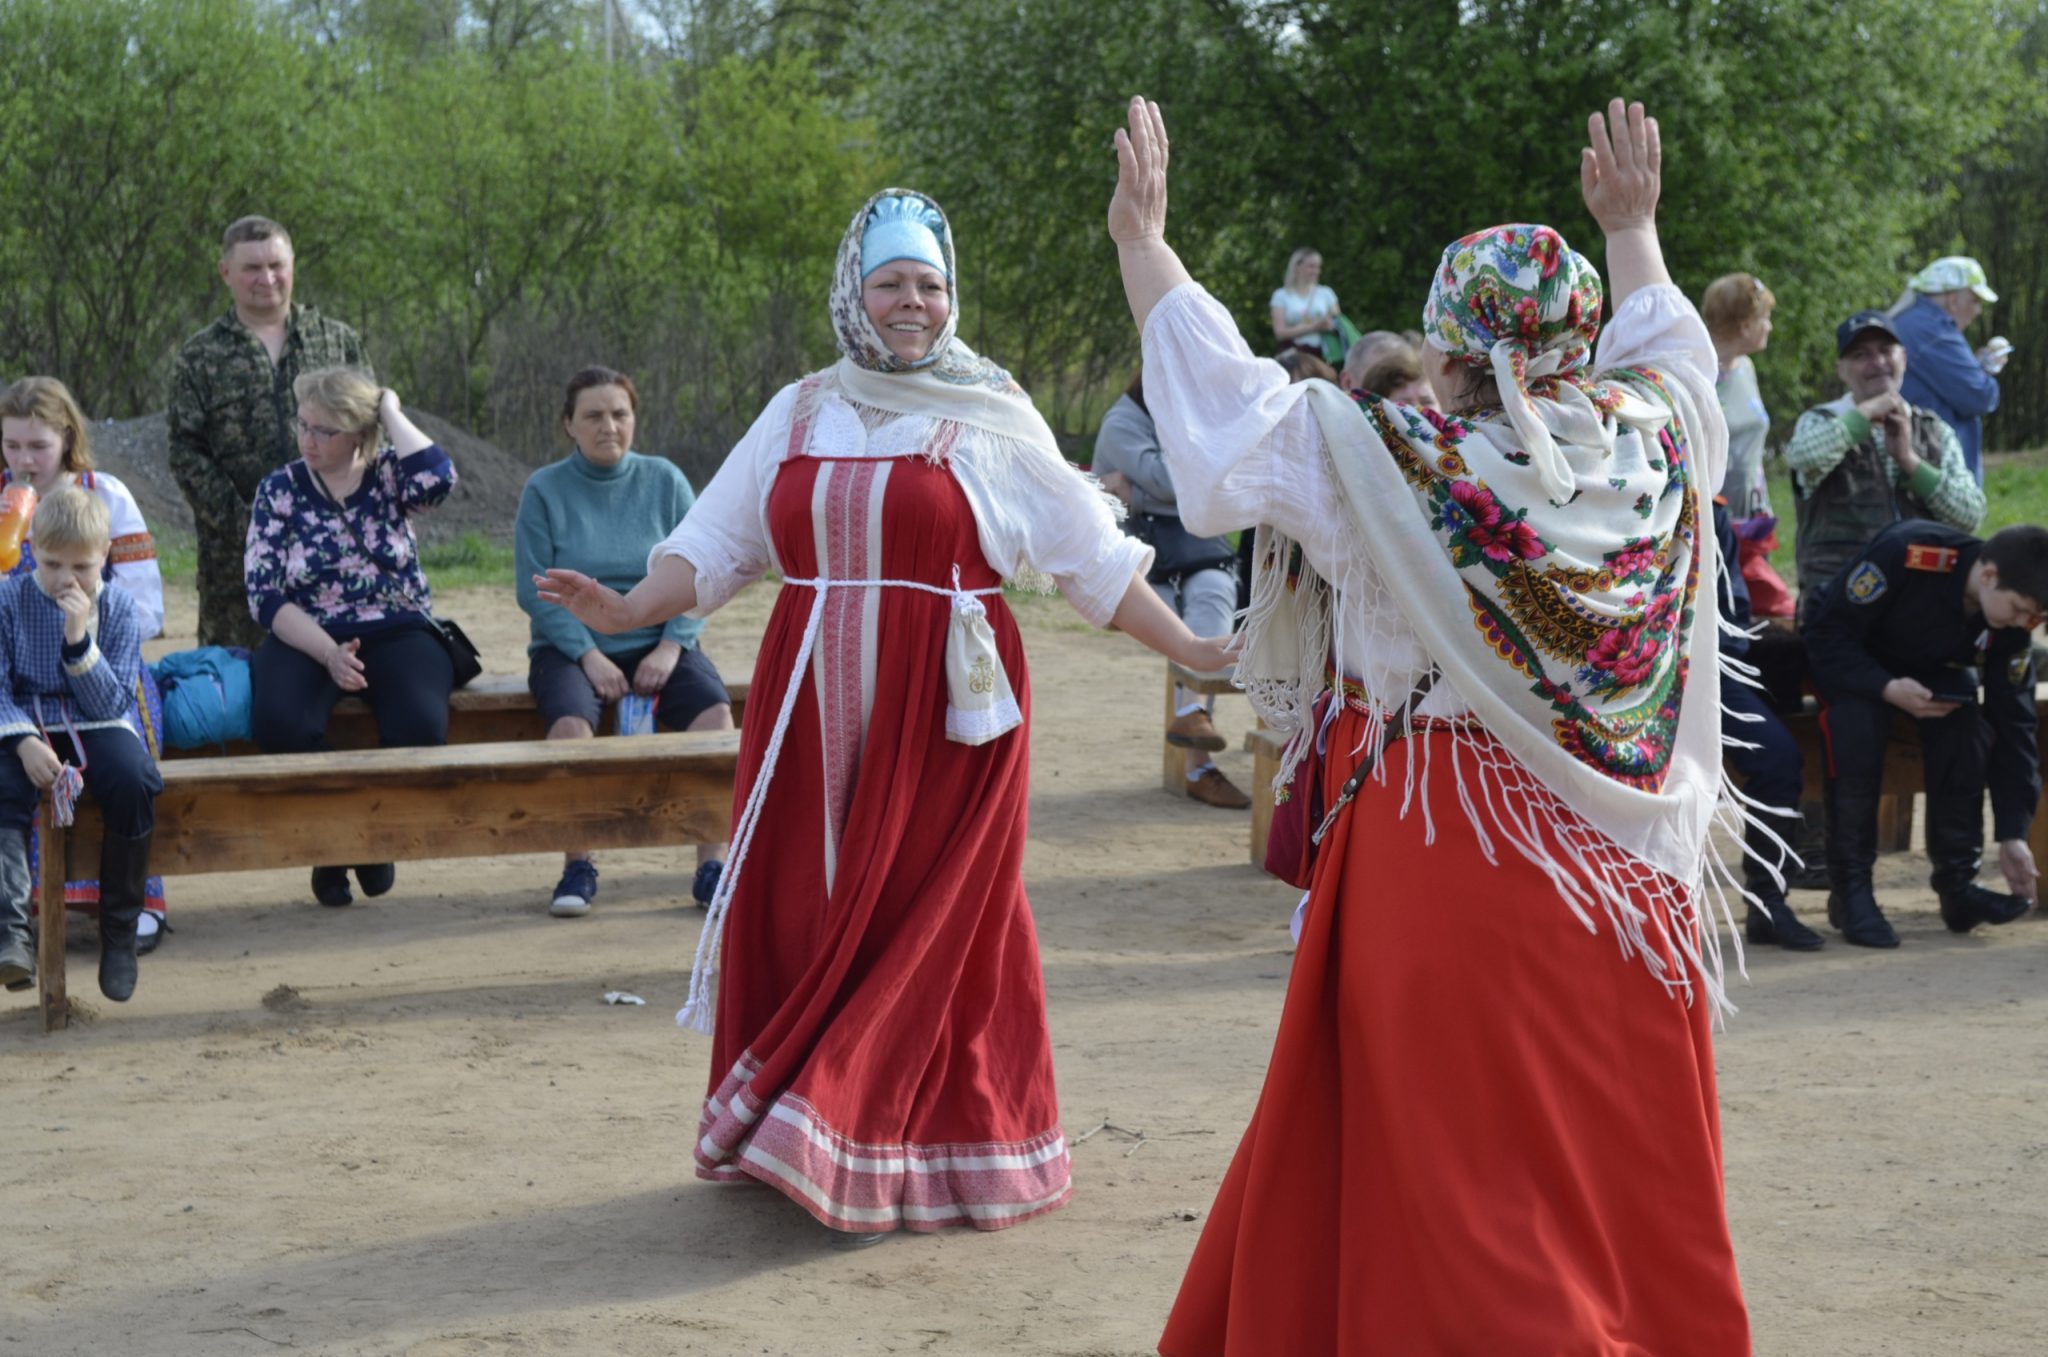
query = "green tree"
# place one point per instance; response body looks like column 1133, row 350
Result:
column 134, row 133
column 1379, row 132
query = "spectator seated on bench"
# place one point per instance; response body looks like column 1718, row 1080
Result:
column 600, row 511
column 70, row 645
column 1901, row 627
column 1194, row 576
column 333, row 573
column 43, row 433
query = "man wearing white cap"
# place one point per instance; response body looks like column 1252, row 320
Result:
column 1942, row 374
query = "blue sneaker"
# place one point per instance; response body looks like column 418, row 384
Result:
column 575, row 891
column 705, row 885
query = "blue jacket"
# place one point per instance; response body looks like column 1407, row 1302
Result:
column 1943, row 375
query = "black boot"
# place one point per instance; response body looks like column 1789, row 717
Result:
column 1770, row 919
column 1852, row 854
column 17, row 946
column 1774, row 922
column 1810, row 840
column 1955, row 848
column 1863, row 924
column 1964, row 907
column 124, row 866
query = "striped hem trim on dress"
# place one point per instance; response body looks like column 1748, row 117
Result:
column 849, row 1184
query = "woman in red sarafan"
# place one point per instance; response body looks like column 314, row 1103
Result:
column 1489, row 1125
column 880, row 1050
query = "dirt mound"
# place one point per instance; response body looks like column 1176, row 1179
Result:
column 485, row 498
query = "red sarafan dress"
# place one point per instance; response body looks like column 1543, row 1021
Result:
column 1470, row 1142
column 881, row 1052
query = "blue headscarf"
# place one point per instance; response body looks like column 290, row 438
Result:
column 904, row 227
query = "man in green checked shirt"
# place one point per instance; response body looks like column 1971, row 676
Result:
column 1868, row 459
column 231, row 410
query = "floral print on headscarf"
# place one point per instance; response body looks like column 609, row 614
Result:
column 948, row 360
column 1520, row 302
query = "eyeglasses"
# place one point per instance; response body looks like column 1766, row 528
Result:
column 320, row 431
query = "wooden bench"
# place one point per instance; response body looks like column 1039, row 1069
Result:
column 248, row 813
column 492, row 708
column 1904, row 773
column 1174, row 771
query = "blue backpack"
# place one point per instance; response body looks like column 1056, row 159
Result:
column 206, row 696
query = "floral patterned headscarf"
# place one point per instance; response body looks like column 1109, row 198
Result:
column 1519, row 302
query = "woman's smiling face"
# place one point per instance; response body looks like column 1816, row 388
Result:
column 908, row 303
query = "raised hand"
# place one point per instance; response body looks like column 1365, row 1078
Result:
column 77, row 607
column 1137, row 211
column 1621, row 171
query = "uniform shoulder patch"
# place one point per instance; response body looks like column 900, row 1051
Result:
column 1935, row 560
column 1867, row 583
column 2016, row 668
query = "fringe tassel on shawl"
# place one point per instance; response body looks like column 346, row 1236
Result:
column 1294, row 626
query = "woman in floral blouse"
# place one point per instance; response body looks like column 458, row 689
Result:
column 334, row 574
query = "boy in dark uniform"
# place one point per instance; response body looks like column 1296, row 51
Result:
column 1910, row 624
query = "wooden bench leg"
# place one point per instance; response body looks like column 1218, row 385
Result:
column 1173, row 775
column 1894, row 823
column 50, row 921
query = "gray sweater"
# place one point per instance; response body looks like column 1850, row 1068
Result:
column 1128, row 443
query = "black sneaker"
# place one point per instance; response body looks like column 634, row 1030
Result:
column 377, row 877
column 575, row 891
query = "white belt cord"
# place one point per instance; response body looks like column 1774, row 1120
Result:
column 698, row 1010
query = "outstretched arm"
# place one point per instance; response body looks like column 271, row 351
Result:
column 1137, row 212
column 669, row 589
column 1621, row 173
column 1144, row 617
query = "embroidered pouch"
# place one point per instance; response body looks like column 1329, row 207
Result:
column 979, row 704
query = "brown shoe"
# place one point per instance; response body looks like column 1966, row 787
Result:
column 1217, row 790
column 1194, row 731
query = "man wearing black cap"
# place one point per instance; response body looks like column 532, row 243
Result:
column 1868, row 460
column 1934, row 623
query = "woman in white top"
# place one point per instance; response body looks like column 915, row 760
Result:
column 1304, row 310
column 1489, row 1123
column 1737, row 309
column 880, row 1053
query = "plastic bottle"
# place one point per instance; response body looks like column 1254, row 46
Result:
column 17, row 508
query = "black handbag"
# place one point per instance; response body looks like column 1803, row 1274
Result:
column 462, row 652
column 1175, row 550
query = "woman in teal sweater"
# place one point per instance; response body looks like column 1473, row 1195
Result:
column 600, row 510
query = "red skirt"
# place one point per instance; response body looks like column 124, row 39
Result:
column 1483, row 1131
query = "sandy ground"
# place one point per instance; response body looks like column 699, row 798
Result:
column 438, row 1142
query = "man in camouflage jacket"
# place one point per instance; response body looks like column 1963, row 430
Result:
column 231, row 410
